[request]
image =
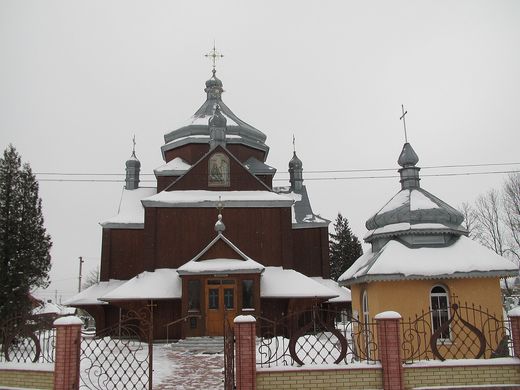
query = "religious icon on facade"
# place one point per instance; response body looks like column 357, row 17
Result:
column 218, row 170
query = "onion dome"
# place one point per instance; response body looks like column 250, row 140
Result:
column 295, row 162
column 219, row 225
column 296, row 173
column 133, row 168
column 413, row 210
column 214, row 87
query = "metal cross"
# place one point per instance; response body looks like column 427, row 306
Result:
column 214, row 55
column 220, row 205
column 404, row 122
column 294, row 143
column 133, row 142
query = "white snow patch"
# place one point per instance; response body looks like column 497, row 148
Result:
column 419, row 201
column 242, row 319
column 399, row 199
column 131, row 210
column 387, row 315
column 221, row 265
column 26, row 366
column 68, row 320
column 466, row 362
column 344, row 294
column 463, row 256
column 163, row 283
column 514, row 312
column 405, row 226
column 90, row 295
column 203, row 198
column 277, row 282
column 175, row 166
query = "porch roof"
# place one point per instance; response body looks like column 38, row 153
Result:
column 344, row 294
column 91, row 295
column 277, row 282
column 163, row 283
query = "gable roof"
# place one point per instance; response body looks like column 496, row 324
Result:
column 302, row 214
column 200, row 266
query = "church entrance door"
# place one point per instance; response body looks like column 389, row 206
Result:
column 221, row 302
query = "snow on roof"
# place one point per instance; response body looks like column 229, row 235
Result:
column 90, row 295
column 244, row 265
column 418, row 201
column 163, row 283
column 302, row 214
column 202, row 198
column 131, row 212
column 463, row 258
column 53, row 308
column 344, row 294
column 177, row 166
column 277, row 282
column 212, row 266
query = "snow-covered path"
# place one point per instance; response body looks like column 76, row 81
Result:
column 186, row 370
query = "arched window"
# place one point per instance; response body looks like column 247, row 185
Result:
column 364, row 303
column 440, row 310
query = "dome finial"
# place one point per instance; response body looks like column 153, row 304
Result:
column 404, row 122
column 133, row 147
column 214, row 55
column 219, row 225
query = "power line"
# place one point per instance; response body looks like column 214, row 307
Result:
column 306, row 179
column 317, row 171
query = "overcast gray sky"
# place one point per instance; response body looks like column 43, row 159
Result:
column 79, row 78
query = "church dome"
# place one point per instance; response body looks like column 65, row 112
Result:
column 217, row 119
column 133, row 162
column 214, row 82
column 295, row 162
column 413, row 210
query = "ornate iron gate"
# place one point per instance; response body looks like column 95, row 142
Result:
column 229, row 356
column 121, row 356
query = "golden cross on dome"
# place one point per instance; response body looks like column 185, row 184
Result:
column 404, row 122
column 214, row 55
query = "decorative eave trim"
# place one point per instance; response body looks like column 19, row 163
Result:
column 229, row 203
column 412, row 231
column 195, row 140
column 401, row 277
column 121, row 225
column 221, row 272
column 310, row 225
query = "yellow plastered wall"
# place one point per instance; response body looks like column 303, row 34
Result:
column 460, row 376
column 27, row 379
column 410, row 297
column 354, row 379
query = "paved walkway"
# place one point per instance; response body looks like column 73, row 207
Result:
column 187, row 370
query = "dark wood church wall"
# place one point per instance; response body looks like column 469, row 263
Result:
column 311, row 251
column 243, row 153
column 122, row 253
column 174, row 236
column 165, row 181
column 190, row 153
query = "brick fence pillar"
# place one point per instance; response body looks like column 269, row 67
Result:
column 389, row 345
column 245, row 356
column 68, row 348
column 514, row 316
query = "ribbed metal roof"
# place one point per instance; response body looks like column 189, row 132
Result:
column 197, row 127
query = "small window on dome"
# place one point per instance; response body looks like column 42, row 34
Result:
column 218, row 170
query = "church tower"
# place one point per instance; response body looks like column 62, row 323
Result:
column 133, row 168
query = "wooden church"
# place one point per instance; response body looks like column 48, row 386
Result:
column 213, row 238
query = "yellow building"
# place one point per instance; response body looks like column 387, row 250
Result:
column 421, row 263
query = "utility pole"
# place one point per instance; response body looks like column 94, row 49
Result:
column 80, row 268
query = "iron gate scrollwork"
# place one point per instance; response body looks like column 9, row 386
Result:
column 27, row 339
column 121, row 356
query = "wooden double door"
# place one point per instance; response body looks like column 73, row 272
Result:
column 221, row 303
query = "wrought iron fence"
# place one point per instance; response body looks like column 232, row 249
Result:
column 27, row 339
column 315, row 336
column 119, row 357
column 459, row 332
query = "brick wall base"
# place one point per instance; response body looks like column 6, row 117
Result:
column 345, row 378
column 462, row 377
column 27, row 379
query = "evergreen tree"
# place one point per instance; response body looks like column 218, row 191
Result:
column 344, row 248
column 24, row 243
